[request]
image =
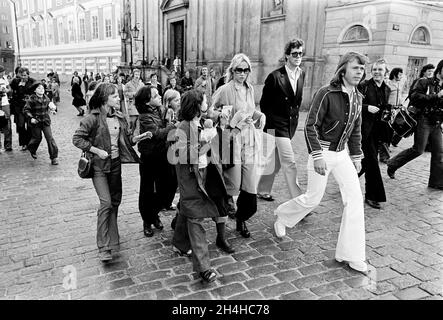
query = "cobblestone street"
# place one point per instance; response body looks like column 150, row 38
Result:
column 48, row 228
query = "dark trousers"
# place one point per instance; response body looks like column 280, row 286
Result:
column 7, row 132
column 158, row 184
column 109, row 190
column 246, row 205
column 425, row 131
column 22, row 129
column 189, row 233
column 375, row 189
column 36, row 138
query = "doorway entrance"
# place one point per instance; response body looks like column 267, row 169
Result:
column 177, row 43
column 413, row 72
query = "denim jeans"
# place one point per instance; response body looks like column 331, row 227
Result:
column 109, row 190
column 36, row 137
column 426, row 131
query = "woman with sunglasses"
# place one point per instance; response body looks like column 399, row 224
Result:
column 233, row 106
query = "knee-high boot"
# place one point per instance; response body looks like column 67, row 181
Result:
column 221, row 240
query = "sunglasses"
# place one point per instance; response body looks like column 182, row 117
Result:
column 240, row 70
column 297, row 54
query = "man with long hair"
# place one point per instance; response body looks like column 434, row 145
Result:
column 334, row 122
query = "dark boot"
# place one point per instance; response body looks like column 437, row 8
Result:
column 221, row 241
column 241, row 227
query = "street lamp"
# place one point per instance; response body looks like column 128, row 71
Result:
column 124, row 36
column 19, row 62
column 135, row 32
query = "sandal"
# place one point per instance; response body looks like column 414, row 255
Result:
column 266, row 197
column 208, row 275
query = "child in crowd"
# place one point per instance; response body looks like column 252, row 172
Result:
column 37, row 111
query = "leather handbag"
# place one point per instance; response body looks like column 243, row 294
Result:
column 403, row 123
column 85, row 170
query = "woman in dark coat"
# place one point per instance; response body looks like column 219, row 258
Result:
column 105, row 136
column 79, row 102
column 155, row 183
column 200, row 181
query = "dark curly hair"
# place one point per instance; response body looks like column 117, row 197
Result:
column 293, row 44
column 142, row 97
column 426, row 68
column 190, row 104
column 101, row 95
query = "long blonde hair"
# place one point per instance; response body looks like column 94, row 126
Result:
column 235, row 62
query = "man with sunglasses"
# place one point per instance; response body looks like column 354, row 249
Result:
column 280, row 102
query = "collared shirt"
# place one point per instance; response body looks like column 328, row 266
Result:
column 114, row 131
column 293, row 77
column 352, row 95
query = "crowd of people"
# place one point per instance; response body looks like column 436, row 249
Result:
column 207, row 140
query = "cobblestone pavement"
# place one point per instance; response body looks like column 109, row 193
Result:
column 48, row 223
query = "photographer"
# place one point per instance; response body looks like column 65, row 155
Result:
column 427, row 96
column 21, row 86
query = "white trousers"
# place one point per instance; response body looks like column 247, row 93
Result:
column 283, row 157
column 351, row 239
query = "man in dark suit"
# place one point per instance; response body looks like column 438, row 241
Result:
column 280, row 102
column 167, row 61
column 375, row 102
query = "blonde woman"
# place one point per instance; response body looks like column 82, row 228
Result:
column 171, row 105
column 233, row 106
column 129, row 91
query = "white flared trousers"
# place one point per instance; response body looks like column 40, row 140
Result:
column 351, row 239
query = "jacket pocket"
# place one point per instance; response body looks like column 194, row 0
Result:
column 333, row 127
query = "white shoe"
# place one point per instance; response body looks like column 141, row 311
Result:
column 359, row 266
column 280, row 229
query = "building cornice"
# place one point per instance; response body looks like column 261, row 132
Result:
column 421, row 4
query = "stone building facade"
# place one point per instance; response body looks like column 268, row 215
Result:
column 69, row 35
column 406, row 33
column 7, row 57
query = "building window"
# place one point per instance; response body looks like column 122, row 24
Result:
column 60, row 32
column 58, row 3
column 108, row 27
column 50, row 32
column 41, row 33
column 3, row 17
column 356, row 34
column 25, row 7
column 94, row 27
column 421, row 36
column 71, row 30
column 82, row 27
